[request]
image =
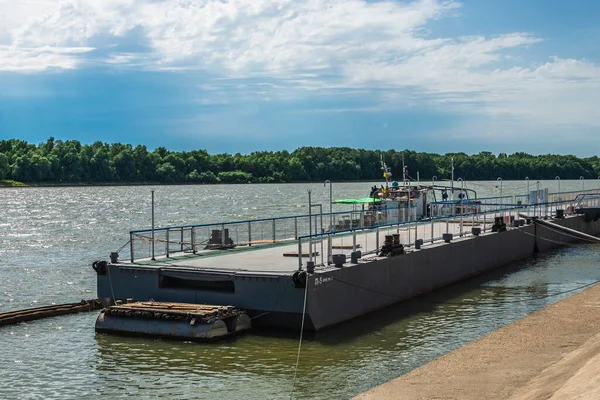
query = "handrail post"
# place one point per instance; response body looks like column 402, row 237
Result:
column 354, row 240
column 329, row 246
column 193, row 237
column 181, row 239
column 432, row 233
column 484, row 221
column 322, row 233
column 409, row 220
column 417, row 229
column 310, row 238
column 249, row 233
column 167, row 242
column 153, row 226
column 296, row 227
column 222, row 235
column 299, row 254
column 131, row 245
column 376, row 238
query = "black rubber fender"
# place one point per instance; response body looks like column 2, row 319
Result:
column 299, row 279
column 100, row 267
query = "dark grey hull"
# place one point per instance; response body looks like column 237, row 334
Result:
column 335, row 295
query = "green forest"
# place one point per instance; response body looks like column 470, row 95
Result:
column 70, row 162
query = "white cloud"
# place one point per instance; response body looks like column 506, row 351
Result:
column 27, row 59
column 315, row 46
column 244, row 37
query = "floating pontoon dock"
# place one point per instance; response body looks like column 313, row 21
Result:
column 351, row 271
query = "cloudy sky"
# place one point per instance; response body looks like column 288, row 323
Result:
column 245, row 75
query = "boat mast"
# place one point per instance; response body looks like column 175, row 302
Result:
column 387, row 174
column 403, row 171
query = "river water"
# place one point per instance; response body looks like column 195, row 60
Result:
column 50, row 236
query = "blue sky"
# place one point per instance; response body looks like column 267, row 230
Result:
column 246, row 75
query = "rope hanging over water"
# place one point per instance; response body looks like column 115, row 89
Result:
column 300, row 341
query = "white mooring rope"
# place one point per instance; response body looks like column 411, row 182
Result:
column 300, row 341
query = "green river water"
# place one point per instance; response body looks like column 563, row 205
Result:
column 50, row 236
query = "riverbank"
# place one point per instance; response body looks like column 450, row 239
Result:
column 11, row 183
column 553, row 353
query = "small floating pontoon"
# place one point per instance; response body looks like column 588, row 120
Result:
column 197, row 322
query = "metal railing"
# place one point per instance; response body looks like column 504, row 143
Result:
column 444, row 217
column 586, row 200
column 256, row 232
column 433, row 229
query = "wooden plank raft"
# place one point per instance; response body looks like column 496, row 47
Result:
column 195, row 313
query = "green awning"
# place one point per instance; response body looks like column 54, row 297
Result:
column 357, row 201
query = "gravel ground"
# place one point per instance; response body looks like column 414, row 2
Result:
column 553, row 354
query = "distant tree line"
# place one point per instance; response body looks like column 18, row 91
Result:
column 58, row 161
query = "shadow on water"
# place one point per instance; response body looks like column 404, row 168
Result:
column 462, row 293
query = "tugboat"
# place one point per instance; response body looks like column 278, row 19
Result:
column 409, row 200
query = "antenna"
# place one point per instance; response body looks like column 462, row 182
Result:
column 404, row 172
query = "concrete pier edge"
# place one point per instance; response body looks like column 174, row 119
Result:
column 553, row 353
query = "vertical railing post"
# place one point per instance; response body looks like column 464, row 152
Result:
column 167, row 243
column 417, row 228
column 153, row 226
column 274, row 231
column 299, row 254
column 354, row 240
column 432, row 233
column 250, row 233
column 310, row 238
column 222, row 235
column 322, row 233
column 377, row 238
column 484, row 221
column 193, row 239
column 409, row 219
column 131, row 245
column 330, row 241
column 296, row 227
column 181, row 240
